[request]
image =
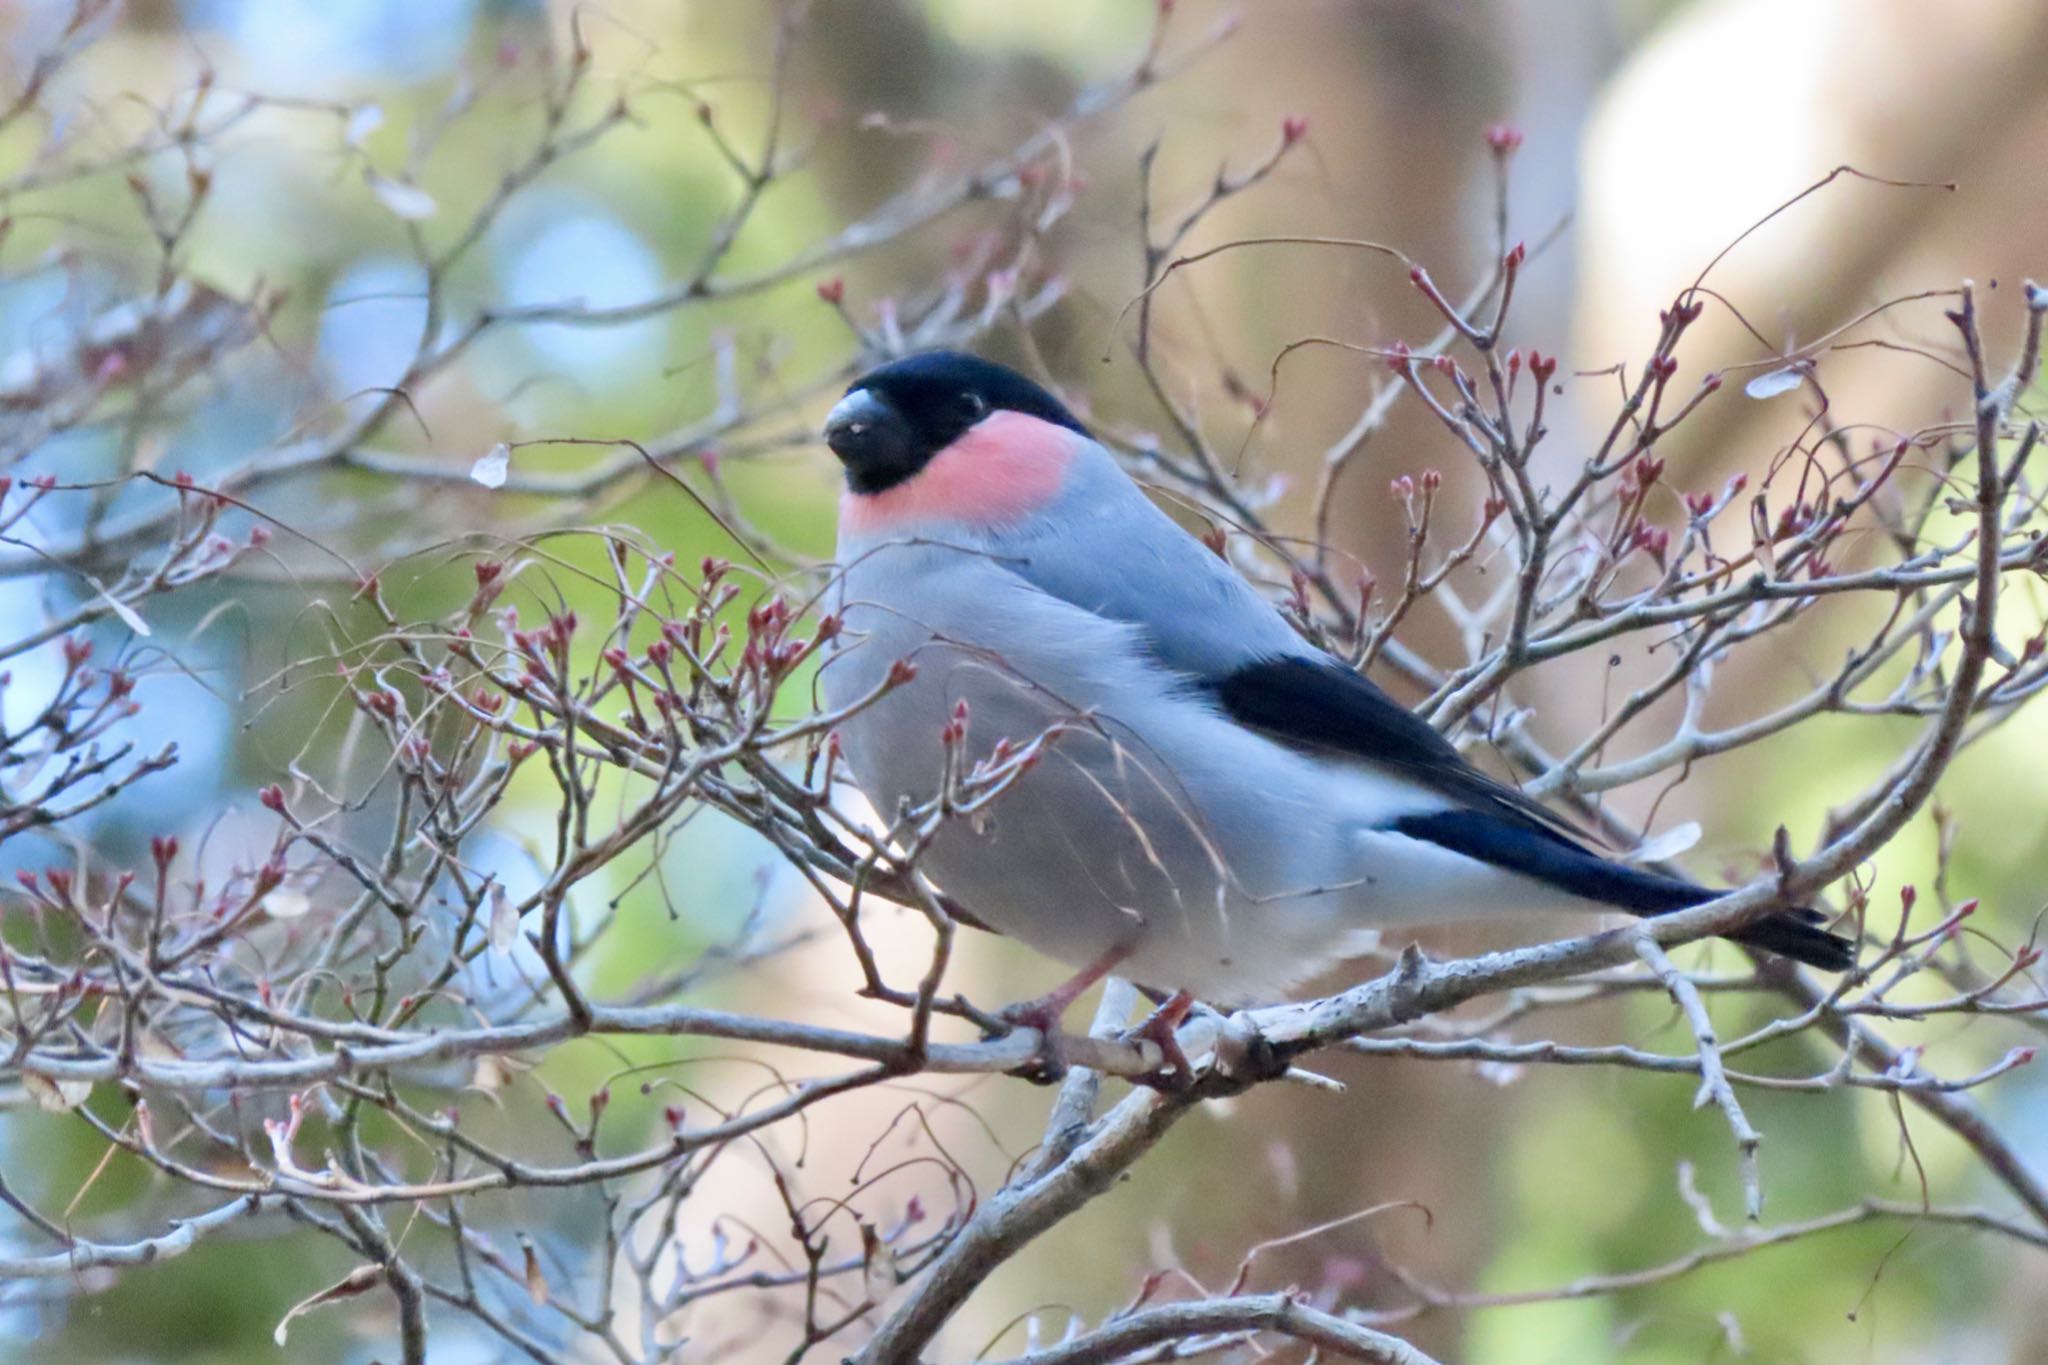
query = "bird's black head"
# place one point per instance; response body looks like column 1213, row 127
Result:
column 895, row 418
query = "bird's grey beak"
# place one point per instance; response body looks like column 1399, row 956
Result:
column 867, row 433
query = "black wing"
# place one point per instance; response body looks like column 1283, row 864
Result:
column 1322, row 705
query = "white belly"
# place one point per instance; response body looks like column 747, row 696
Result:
column 1222, row 862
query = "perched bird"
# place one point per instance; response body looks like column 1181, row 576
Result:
column 1217, row 806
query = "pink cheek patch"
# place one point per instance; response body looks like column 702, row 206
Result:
column 1006, row 466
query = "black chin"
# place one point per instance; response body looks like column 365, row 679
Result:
column 878, row 445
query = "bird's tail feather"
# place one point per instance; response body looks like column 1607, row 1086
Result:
column 1798, row 934
column 1516, row 845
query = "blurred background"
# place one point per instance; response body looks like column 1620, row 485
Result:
column 1654, row 133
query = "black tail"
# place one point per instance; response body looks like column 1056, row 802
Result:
column 1794, row 933
column 1797, row 934
column 1536, row 851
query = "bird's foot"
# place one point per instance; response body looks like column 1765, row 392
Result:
column 1161, row 1029
column 1043, row 1015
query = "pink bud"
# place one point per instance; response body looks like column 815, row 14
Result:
column 1293, row 129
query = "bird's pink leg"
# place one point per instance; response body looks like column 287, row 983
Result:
column 1045, row 1012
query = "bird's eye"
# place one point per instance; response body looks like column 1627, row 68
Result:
column 973, row 407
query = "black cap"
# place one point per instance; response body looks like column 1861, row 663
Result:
column 896, row 417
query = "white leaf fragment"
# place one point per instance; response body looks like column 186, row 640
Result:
column 492, row 467
column 1776, row 382
column 363, row 120
column 358, row 1281
column 130, row 617
column 56, row 1094
column 285, row 903
column 409, row 202
column 1669, row 844
column 503, row 930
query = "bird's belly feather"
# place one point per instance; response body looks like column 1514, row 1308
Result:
column 1152, row 822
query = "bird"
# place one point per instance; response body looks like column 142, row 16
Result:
column 1176, row 785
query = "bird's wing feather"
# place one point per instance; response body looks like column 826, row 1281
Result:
column 1316, row 702
column 1111, row 552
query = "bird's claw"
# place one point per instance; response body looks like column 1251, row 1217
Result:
column 1047, row 1064
column 1161, row 1029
